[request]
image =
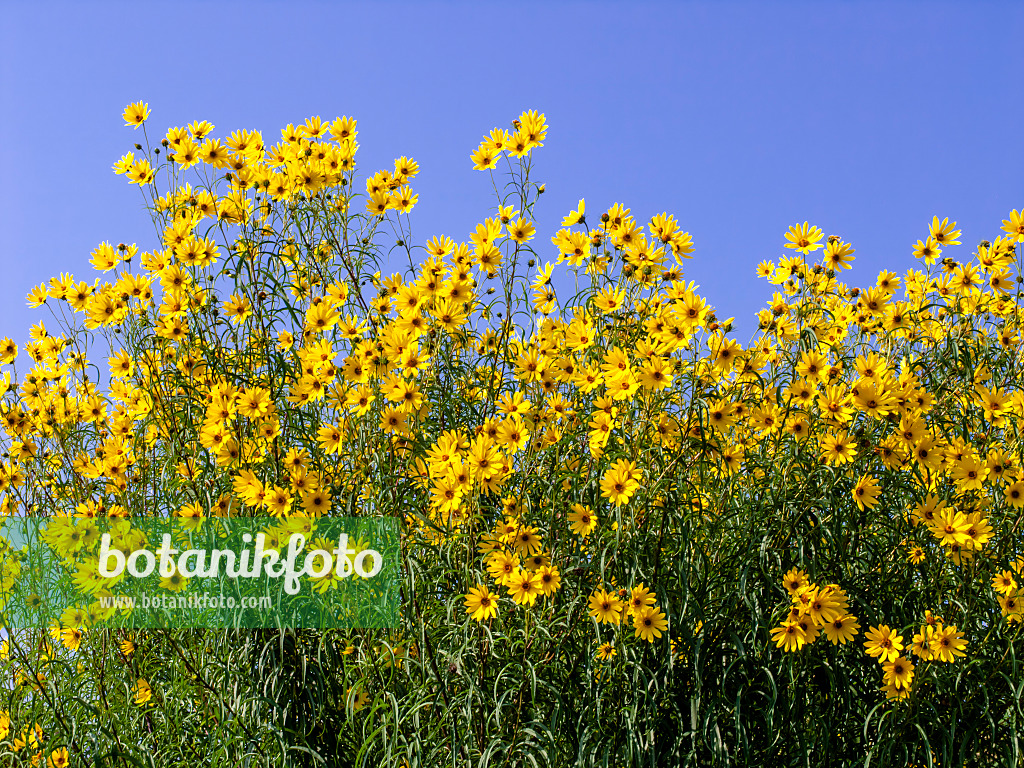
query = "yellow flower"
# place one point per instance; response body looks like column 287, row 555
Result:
column 277, row 501
column 620, row 482
column 1004, row 583
column 238, row 308
column 605, row 607
column 30, row 737
column 883, row 643
column 922, row 643
column 577, row 216
column 795, row 581
column 898, row 672
column 1012, row 606
column 533, row 128
column 175, row 582
column 789, row 636
column 71, row 638
column 866, row 492
column 526, row 541
column 606, row 651
column 521, row 230
column 803, row 238
column 484, row 158
column 824, row 606
column 481, row 604
column 943, row 232
column 948, row 643
column 141, row 172
column 640, row 597
column 550, row 579
column 357, row 697
column 582, row 520
column 143, row 692
column 136, row 114
column 649, row 623
column 1015, row 225
column 524, row 587
column 950, row 527
column 501, row 566
column 841, row 629
column 838, row 255
column 8, row 350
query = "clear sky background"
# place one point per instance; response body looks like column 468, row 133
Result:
column 739, row 118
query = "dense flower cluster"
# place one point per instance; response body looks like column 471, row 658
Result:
column 587, row 464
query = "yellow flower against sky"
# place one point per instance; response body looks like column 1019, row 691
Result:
column 606, row 495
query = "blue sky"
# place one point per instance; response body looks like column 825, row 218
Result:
column 865, row 119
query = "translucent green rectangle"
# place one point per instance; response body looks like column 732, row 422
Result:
column 209, row 572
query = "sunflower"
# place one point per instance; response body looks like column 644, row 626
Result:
column 481, row 604
column 640, row 597
column 605, row 607
column 136, row 114
column 620, row 482
column 948, row 643
column 1004, row 583
column 789, row 636
column 143, row 691
column 649, row 623
column 524, row 586
column 866, row 492
column 804, row 238
column 841, row 629
column 899, row 672
column 176, row 582
column 550, row 579
column 883, row 643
